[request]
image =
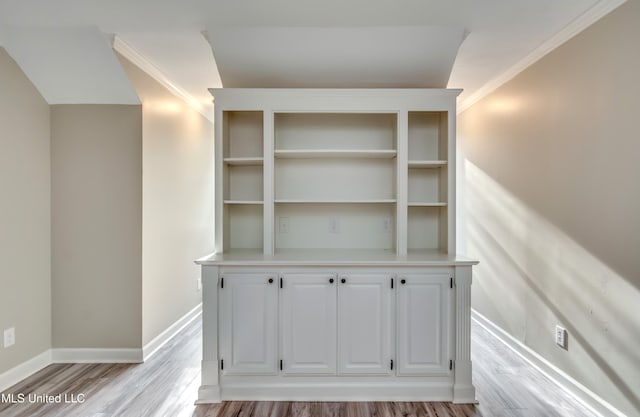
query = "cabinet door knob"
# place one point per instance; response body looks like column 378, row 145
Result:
column 403, row 281
column 343, row 280
column 330, row 280
column 270, row 280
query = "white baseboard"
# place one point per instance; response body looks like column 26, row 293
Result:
column 97, row 356
column 578, row 391
column 62, row 355
column 24, row 370
column 154, row 345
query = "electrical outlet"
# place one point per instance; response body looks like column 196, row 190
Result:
column 386, row 224
column 561, row 337
column 9, row 337
column 283, row 225
column 199, row 283
column 334, row 225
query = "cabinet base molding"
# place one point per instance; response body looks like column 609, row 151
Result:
column 464, row 394
column 209, row 394
column 463, row 391
column 295, row 391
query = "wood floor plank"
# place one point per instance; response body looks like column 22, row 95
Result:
column 167, row 385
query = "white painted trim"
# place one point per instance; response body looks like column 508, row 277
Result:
column 582, row 394
column 97, row 355
column 209, row 394
column 129, row 52
column 586, row 19
column 346, row 391
column 51, row 356
column 24, row 370
column 160, row 340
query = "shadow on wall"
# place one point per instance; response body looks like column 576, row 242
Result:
column 532, row 276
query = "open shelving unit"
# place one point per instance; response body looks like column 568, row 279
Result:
column 346, row 169
column 428, row 173
column 243, row 180
column 334, row 180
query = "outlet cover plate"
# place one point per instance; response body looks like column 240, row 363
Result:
column 283, row 225
column 9, row 337
column 561, row 337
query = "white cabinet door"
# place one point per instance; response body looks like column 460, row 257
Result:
column 364, row 324
column 308, row 323
column 423, row 323
column 248, row 324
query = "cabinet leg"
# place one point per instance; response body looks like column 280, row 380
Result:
column 209, row 391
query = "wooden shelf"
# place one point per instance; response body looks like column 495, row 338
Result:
column 426, row 164
column 426, row 204
column 244, row 161
column 247, row 202
column 336, row 153
column 311, row 201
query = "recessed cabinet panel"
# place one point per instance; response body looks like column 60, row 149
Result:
column 308, row 317
column 422, row 323
column 248, row 324
column 364, row 324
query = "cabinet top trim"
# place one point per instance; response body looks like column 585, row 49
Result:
column 339, row 91
column 336, row 257
column 335, row 100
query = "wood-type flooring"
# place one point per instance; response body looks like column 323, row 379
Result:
column 167, row 385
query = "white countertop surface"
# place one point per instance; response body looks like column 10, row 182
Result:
column 346, row 257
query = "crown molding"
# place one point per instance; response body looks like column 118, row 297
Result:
column 129, row 52
column 580, row 23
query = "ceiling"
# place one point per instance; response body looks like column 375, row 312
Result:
column 65, row 46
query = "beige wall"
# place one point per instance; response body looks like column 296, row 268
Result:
column 74, row 200
column 96, row 186
column 550, row 187
column 177, row 202
column 25, row 224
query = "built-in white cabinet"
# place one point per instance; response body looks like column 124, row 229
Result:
column 422, row 324
column 248, row 324
column 364, row 321
column 308, row 324
column 335, row 274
